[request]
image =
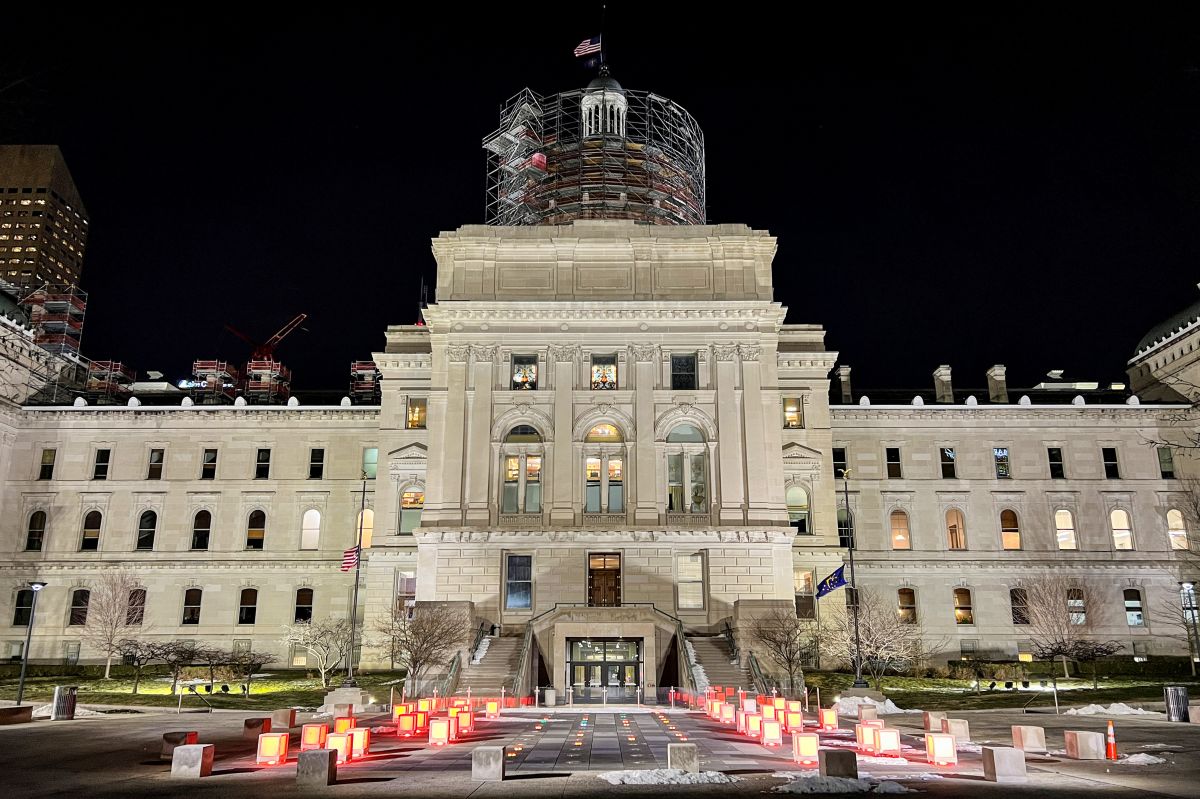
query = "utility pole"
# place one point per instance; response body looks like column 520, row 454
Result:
column 349, row 681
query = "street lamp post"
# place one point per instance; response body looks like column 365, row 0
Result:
column 36, row 587
column 350, row 682
column 859, row 682
column 1190, row 611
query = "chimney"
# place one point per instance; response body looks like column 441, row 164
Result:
column 997, row 386
column 942, row 389
column 843, row 378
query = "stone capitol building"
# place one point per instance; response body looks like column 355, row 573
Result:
column 607, row 445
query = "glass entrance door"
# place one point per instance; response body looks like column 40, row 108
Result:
column 605, row 670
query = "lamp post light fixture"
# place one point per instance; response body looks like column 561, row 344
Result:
column 36, row 586
column 1187, row 591
column 859, row 682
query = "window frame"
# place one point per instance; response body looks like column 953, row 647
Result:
column 1077, row 606
column 1127, row 530
column 1166, row 465
column 1019, row 610
column 41, row 531
column 950, row 533
column 81, row 599
column 316, row 464
column 951, row 462
column 415, row 489
column 893, row 464
column 262, row 466
column 298, row 606
column 1058, row 530
column 605, row 359
column 98, row 530
column 22, row 611
column 799, row 520
column 509, row 582
column 416, row 413
column 793, row 415
column 681, row 581
column 154, row 470
column 251, row 529
column 207, row 531
column 524, row 361
column 46, row 469
column 1007, row 530
column 679, row 378
column 1002, row 461
column 1179, row 533
column 1112, row 466
column 208, row 468
column 907, row 529
column 969, row 606
column 1058, row 468
column 370, row 463
column 101, row 463
column 247, row 610
column 192, row 617
column 840, row 466
column 804, row 591
column 1139, row 608
column 135, row 607
column 907, row 613
column 139, row 544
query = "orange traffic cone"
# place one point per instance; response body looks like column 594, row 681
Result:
column 1110, row 747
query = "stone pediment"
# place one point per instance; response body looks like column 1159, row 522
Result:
column 409, row 455
column 798, row 452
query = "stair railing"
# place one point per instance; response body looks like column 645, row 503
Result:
column 727, row 634
column 762, row 680
column 520, row 681
column 479, row 634
column 449, row 683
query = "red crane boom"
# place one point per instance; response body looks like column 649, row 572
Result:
column 265, row 350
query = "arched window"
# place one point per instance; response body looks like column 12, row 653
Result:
column 1176, row 529
column 80, row 598
column 523, row 434
column 304, row 604
column 906, row 605
column 365, row 526
column 900, row 535
column 91, row 531
column 1122, row 531
column 256, row 530
column 191, row 605
column 604, row 434
column 136, row 612
column 310, row 529
column 35, row 533
column 24, row 608
column 797, row 505
column 147, row 523
column 1018, row 598
column 845, row 529
column 1010, row 530
column 412, row 502
column 248, row 606
column 963, row 613
column 956, row 531
column 687, row 472
column 1133, row 608
column 1064, row 529
column 201, row 528
column 604, row 470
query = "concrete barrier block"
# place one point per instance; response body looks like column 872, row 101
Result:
column 1084, row 744
column 283, row 719
column 685, row 757
column 1028, row 739
column 343, row 709
column 252, row 728
column 867, row 712
column 933, row 720
column 17, row 714
column 172, row 740
column 192, row 761
column 487, row 763
column 958, row 728
column 1003, row 764
column 838, row 763
column 316, row 768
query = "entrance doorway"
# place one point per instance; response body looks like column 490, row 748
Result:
column 604, row 580
column 604, row 669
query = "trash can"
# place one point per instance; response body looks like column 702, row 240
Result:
column 1176, row 697
column 64, row 703
column 552, row 696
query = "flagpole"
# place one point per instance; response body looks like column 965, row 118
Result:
column 349, row 681
column 859, row 682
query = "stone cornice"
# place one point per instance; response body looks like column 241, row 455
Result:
column 662, row 536
column 270, row 413
column 525, row 312
column 1010, row 413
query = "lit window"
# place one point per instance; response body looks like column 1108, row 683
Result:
column 91, row 531
column 906, row 605
column 956, row 529
column 46, row 471
column 1176, row 530
column 35, row 532
column 949, row 470
column 797, row 505
column 963, row 614
column 208, row 466
column 604, row 372
column 316, row 464
column 900, row 535
column 518, row 583
column 1166, row 463
column 146, row 527
column 1133, row 608
column 1064, row 526
column 365, row 527
column 591, row 489
column 616, row 485
column 262, row 465
column 100, row 467
column 1122, row 532
column 412, row 502
column 1076, row 607
column 304, row 605
column 1000, row 456
column 806, row 598
column 602, row 434
column 248, row 606
column 512, row 483
column 683, row 372
column 310, row 529
column 79, row 607
column 1010, row 530
column 793, row 413
column 256, row 530
column 201, row 528
column 191, row 605
column 524, row 372
column 689, row 581
column 892, row 456
column 370, row 462
column 415, row 419
column 687, row 472
column 1018, row 599
column 1112, row 469
column 154, row 468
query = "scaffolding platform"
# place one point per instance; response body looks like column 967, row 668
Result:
column 108, row 383
column 268, row 382
column 364, row 383
column 214, row 382
column 57, row 314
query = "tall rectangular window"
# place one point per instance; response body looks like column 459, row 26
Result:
column 591, row 486
column 1133, row 608
column 46, row 471
column 839, row 462
column 100, row 467
column 304, row 605
column 1112, row 469
column 683, row 372
column 316, row 463
column 192, row 598
column 793, row 413
column 370, row 462
column 906, row 605
column 806, row 598
column 509, row 501
column 892, row 455
column 154, row 468
column 518, row 582
column 1018, row 598
column 406, row 592
column 1076, row 606
column 415, row 420
column 412, row 502
column 1054, row 457
column 524, row 372
column 262, row 465
column 1000, row 456
column 208, row 466
column 1166, row 463
column 949, row 463
column 604, row 372
column 689, row 581
column 533, row 484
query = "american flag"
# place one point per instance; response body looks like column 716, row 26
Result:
column 588, row 46
column 350, row 558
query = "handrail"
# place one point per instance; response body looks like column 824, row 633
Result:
column 734, row 652
column 762, row 681
column 449, row 684
column 482, row 631
column 688, row 673
column 521, row 676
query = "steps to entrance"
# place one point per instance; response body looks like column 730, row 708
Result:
column 712, row 654
column 498, row 664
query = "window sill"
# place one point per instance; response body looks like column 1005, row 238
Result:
column 519, row 520
column 604, row 519
column 688, row 519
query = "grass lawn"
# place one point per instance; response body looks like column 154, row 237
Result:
column 928, row 693
column 266, row 693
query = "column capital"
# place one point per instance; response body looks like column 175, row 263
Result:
column 564, row 352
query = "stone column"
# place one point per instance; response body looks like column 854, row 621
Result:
column 730, row 474
column 477, row 468
column 563, row 356
column 645, row 510
column 758, row 472
column 450, row 510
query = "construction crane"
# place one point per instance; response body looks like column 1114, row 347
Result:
column 265, row 350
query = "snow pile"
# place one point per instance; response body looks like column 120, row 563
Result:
column 385, row 730
column 80, row 712
column 849, row 705
column 1115, row 709
column 873, row 760
column 481, row 650
column 1160, row 746
column 698, row 672
column 967, row 746
column 1141, row 759
column 815, row 783
column 664, row 776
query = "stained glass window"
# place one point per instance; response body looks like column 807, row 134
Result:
column 524, row 373
column 604, row 372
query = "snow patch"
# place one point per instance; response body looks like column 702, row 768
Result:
column 969, row 747
column 1141, row 759
column 698, row 673
column 1160, row 746
column 849, row 705
column 1115, row 709
column 80, row 712
column 664, row 776
column 385, row 730
column 484, row 644
column 815, row 783
column 873, row 760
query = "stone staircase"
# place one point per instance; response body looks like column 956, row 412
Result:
column 495, row 670
column 712, row 654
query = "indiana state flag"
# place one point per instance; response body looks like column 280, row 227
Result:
column 831, row 583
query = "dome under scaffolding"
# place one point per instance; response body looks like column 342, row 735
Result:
column 602, row 152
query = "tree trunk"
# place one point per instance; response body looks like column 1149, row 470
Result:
column 174, row 681
column 249, row 679
column 108, row 666
column 1095, row 679
column 137, row 678
column 1066, row 668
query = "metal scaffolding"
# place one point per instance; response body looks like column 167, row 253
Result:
column 364, row 383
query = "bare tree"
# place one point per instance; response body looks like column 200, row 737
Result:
column 887, row 639
column 178, row 655
column 245, row 663
column 326, row 642
column 1178, row 627
column 786, row 639
column 114, row 614
column 426, row 640
column 1059, row 625
column 1090, row 651
column 139, row 654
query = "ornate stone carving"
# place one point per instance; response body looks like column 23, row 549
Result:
column 750, row 352
column 458, row 354
column 643, row 352
column 564, row 352
column 484, row 352
column 725, row 352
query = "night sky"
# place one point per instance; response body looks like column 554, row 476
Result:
column 966, row 190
